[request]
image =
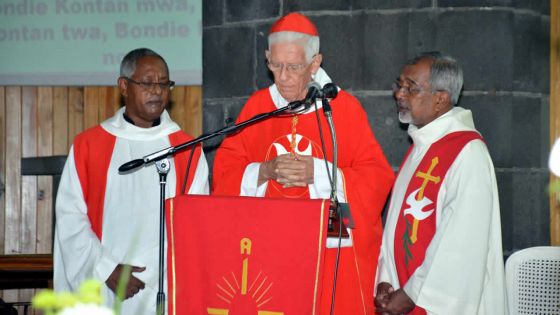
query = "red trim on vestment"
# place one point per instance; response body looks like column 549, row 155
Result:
column 93, row 150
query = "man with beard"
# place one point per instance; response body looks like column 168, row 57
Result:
column 281, row 157
column 442, row 246
column 106, row 221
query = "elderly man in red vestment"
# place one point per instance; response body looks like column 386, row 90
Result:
column 283, row 157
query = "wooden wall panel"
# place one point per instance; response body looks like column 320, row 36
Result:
column 44, row 183
column 75, row 113
column 175, row 110
column 13, row 172
column 28, row 222
column 193, row 104
column 110, row 102
column 60, row 121
column 13, row 178
column 187, row 109
column 91, row 107
column 43, row 121
column 28, row 183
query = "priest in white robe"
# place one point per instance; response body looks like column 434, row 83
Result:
column 107, row 221
column 442, row 248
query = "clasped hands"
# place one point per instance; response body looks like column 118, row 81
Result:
column 290, row 170
column 389, row 301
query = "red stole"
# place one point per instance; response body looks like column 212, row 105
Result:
column 416, row 224
column 93, row 150
column 92, row 154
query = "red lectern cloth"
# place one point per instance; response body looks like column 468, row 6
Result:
column 243, row 255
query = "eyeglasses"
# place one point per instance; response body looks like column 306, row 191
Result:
column 151, row 86
column 407, row 89
column 290, row 67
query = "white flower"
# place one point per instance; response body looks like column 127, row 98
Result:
column 87, row 309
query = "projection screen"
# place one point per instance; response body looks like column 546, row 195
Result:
column 82, row 42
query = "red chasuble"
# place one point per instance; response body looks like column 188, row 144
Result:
column 366, row 174
column 416, row 225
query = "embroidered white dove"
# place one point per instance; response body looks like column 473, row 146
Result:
column 280, row 149
column 416, row 206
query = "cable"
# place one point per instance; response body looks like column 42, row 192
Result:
column 187, row 171
column 336, row 264
column 323, row 145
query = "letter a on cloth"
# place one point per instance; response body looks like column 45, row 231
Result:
column 243, row 255
column 417, row 221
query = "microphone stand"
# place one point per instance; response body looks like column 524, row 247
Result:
column 162, row 166
column 330, row 91
column 333, row 209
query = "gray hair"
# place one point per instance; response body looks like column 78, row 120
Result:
column 445, row 73
column 128, row 64
column 310, row 43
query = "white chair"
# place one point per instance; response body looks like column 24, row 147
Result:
column 533, row 281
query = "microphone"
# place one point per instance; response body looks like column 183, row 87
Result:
column 313, row 91
column 130, row 165
column 330, row 91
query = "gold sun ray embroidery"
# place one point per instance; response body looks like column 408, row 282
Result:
column 260, row 286
column 231, row 292
column 264, row 292
column 223, row 298
column 235, row 279
column 255, row 281
column 229, row 285
column 225, row 291
column 264, row 302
